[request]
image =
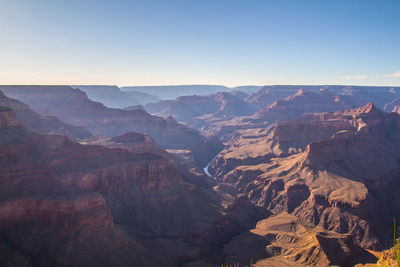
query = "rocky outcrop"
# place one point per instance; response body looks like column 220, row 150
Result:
column 327, row 182
column 36, row 210
column 132, row 142
column 393, row 106
column 306, row 102
column 380, row 95
column 199, row 111
column 293, row 106
column 222, row 114
column 57, row 216
column 75, row 107
column 173, row 91
column 69, row 204
column 281, row 139
column 8, row 118
column 113, row 97
column 284, row 240
column 135, row 107
column 269, row 94
column 213, row 239
column 43, row 124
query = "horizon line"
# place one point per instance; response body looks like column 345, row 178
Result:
column 189, row 84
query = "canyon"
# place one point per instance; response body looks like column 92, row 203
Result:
column 199, row 133
column 327, row 169
column 44, row 124
column 284, row 176
column 74, row 107
column 65, row 203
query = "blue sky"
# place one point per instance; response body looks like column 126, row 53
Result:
column 200, row 42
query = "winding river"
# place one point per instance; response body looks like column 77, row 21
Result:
column 205, row 169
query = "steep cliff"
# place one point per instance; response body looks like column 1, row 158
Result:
column 202, row 110
column 380, row 95
column 284, row 240
column 306, row 102
column 38, row 213
column 64, row 203
column 73, row 106
column 293, row 106
column 43, row 124
column 328, row 181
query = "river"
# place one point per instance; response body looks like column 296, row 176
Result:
column 205, row 169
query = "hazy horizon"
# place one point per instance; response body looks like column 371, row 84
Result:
column 205, row 84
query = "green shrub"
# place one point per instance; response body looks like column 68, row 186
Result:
column 396, row 245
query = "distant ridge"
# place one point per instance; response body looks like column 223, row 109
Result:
column 174, row 91
column 112, row 96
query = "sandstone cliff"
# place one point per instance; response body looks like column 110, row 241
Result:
column 69, row 204
column 73, row 106
column 326, row 181
column 284, row 240
column 199, row 111
column 380, row 95
column 43, row 124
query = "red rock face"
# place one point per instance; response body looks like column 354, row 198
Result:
column 32, row 198
column 269, row 94
column 130, row 137
column 8, row 117
column 275, row 103
column 43, row 124
column 255, row 146
column 380, row 95
column 134, row 142
column 62, row 216
column 64, row 203
column 199, row 111
column 114, row 201
column 293, row 106
column 256, row 138
column 230, row 106
column 306, row 102
column 320, row 168
column 284, row 240
column 74, row 107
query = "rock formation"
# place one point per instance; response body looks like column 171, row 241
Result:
column 43, row 124
column 284, row 240
column 73, row 106
column 113, row 97
column 293, row 106
column 306, row 102
column 330, row 179
column 174, row 91
column 393, row 106
column 64, row 203
column 380, row 95
column 200, row 110
column 326, row 181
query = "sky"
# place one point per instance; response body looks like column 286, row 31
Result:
column 172, row 42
